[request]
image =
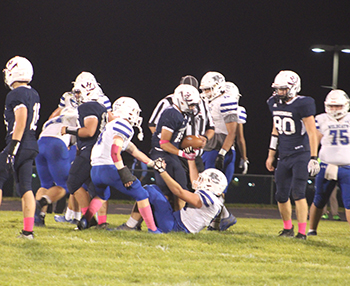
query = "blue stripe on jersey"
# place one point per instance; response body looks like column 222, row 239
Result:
column 229, row 103
column 124, row 125
column 205, row 196
column 227, row 110
column 127, row 135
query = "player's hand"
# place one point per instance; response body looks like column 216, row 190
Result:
column 159, row 165
column 190, row 156
column 313, row 167
column 189, row 150
column 219, row 162
column 243, row 164
column 11, row 162
column 269, row 163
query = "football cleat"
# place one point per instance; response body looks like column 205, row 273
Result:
column 325, row 216
column 312, row 233
column 125, row 227
column 102, row 225
column 336, row 217
column 287, row 232
column 301, row 236
column 225, row 223
column 39, row 220
column 157, row 231
column 83, row 223
column 26, row 235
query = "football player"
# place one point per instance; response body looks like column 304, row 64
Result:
column 202, row 206
column 333, row 129
column 21, row 115
column 92, row 117
column 108, row 169
column 169, row 132
column 294, row 136
column 53, row 161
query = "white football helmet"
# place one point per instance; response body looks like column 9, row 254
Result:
column 337, row 97
column 17, row 69
column 128, row 108
column 215, row 82
column 86, row 87
column 212, row 180
column 186, row 95
column 232, row 89
column 287, row 79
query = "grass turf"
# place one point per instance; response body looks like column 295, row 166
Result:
column 249, row 253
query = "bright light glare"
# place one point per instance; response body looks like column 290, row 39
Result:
column 318, row 50
column 236, row 179
column 347, row 51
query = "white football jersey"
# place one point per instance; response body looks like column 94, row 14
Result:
column 335, row 143
column 196, row 219
column 53, row 126
column 223, row 109
column 101, row 152
column 242, row 115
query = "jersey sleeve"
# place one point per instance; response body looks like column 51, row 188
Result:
column 242, row 115
column 206, row 198
column 307, row 107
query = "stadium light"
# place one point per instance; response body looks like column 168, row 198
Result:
column 336, row 49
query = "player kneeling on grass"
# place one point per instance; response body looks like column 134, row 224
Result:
column 201, row 207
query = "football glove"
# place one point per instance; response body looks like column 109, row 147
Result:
column 219, row 162
column 190, row 156
column 243, row 164
column 12, row 152
column 159, row 165
column 313, row 167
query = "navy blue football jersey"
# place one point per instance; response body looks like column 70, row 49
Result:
column 91, row 109
column 28, row 97
column 174, row 121
column 287, row 118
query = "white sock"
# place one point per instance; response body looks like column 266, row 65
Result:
column 76, row 215
column 69, row 214
column 132, row 222
column 224, row 213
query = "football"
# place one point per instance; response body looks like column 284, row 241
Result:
column 191, row 141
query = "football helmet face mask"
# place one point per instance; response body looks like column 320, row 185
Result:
column 127, row 108
column 287, row 84
column 212, row 180
column 213, row 84
column 17, row 69
column 86, row 87
column 186, row 97
column 337, row 103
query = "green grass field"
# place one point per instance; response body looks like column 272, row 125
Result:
column 249, row 253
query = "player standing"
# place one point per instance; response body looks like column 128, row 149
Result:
column 333, row 129
column 21, row 114
column 294, row 136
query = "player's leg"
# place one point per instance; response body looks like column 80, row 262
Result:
column 323, row 189
column 283, row 178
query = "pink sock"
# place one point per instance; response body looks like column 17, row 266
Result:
column 94, row 206
column 302, row 228
column 102, row 219
column 147, row 216
column 28, row 223
column 83, row 210
column 287, row 224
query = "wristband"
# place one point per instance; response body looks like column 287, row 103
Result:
column 163, row 142
column 222, row 152
column 273, row 142
column 206, row 137
column 72, row 130
column 13, row 147
column 313, row 157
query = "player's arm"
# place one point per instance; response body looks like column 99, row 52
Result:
column 152, row 129
column 165, row 144
column 241, row 142
column 310, row 126
column 175, row 188
column 56, row 112
column 272, row 150
column 89, row 129
column 230, row 138
column 124, row 172
column 139, row 155
column 21, row 115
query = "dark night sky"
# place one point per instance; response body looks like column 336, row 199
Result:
column 142, row 48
